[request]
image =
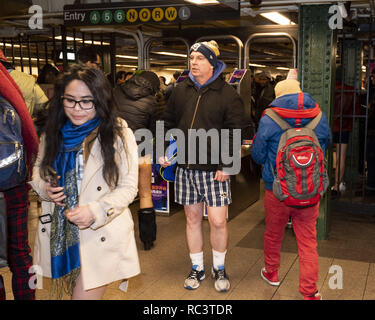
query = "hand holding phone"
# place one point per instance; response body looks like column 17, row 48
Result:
column 53, row 178
column 54, row 192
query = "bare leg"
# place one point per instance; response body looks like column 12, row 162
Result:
column 340, row 156
column 217, row 217
column 194, row 234
column 80, row 294
column 144, row 186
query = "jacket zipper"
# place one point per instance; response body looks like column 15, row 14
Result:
column 193, row 120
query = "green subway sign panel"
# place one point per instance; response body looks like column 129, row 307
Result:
column 141, row 13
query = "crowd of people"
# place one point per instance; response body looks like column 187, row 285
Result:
column 87, row 169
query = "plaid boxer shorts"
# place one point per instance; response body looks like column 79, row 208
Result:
column 195, row 186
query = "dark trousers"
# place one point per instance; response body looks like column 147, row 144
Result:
column 19, row 259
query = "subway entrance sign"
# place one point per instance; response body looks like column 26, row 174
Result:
column 131, row 13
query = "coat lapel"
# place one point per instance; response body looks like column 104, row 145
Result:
column 94, row 162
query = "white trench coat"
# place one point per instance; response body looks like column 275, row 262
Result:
column 108, row 250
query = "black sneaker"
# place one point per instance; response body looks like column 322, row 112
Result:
column 194, row 279
column 222, row 283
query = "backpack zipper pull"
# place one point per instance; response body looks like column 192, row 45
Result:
column 5, row 116
column 19, row 160
column 13, row 115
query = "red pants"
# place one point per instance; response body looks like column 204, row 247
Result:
column 19, row 258
column 304, row 226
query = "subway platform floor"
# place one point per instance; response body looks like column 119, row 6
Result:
column 164, row 268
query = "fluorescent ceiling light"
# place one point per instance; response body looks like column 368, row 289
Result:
column 175, row 69
column 126, row 65
column 96, row 42
column 23, row 58
column 171, row 54
column 257, row 65
column 9, row 45
column 282, row 68
column 277, row 18
column 203, row 1
column 80, row 40
column 67, row 38
column 126, row 56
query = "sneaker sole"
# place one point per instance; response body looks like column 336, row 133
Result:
column 193, row 288
column 218, row 289
column 269, row 282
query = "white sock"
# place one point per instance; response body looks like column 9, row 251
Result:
column 197, row 260
column 218, row 259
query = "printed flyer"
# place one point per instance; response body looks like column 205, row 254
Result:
column 159, row 192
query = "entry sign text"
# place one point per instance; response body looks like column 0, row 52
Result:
column 74, row 15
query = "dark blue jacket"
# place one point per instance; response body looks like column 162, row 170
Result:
column 267, row 139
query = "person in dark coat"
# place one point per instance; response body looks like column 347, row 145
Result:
column 136, row 103
column 205, row 102
column 263, row 94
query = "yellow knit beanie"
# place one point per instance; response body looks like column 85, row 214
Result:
column 288, row 86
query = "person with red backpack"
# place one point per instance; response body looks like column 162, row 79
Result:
column 290, row 142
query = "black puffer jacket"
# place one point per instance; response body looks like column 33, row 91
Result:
column 135, row 102
column 215, row 106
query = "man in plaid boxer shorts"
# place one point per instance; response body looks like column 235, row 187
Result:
column 204, row 101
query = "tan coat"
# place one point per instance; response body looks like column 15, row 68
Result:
column 34, row 96
column 107, row 248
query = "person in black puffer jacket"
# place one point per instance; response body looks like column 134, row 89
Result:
column 136, row 103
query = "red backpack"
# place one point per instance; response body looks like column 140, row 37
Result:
column 300, row 178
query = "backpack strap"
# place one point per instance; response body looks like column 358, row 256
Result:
column 301, row 99
column 314, row 122
column 280, row 121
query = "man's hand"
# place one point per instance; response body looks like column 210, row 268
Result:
column 163, row 161
column 221, row 176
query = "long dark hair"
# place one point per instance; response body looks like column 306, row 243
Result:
column 109, row 128
column 45, row 70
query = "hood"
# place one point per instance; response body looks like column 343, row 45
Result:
column 136, row 88
column 220, row 66
column 290, row 101
column 287, row 107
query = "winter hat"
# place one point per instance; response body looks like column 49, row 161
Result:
column 209, row 49
column 150, row 77
column 263, row 73
column 2, row 56
column 288, row 86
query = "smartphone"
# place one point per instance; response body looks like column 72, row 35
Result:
column 53, row 177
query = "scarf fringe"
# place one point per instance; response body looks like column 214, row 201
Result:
column 64, row 284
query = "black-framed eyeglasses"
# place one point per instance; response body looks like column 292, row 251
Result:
column 84, row 104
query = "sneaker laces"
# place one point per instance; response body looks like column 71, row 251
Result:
column 193, row 274
column 220, row 274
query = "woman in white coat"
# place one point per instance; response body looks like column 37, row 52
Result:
column 87, row 175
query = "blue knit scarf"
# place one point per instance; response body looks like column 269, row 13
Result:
column 64, row 240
